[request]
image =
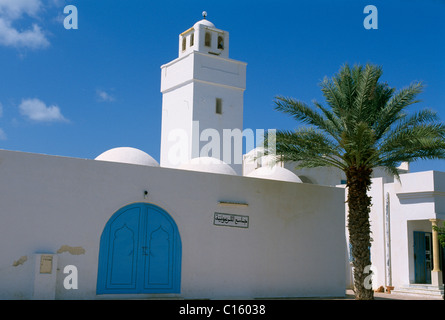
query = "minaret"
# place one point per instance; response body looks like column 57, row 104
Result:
column 202, row 97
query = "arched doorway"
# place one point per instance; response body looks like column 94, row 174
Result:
column 140, row 252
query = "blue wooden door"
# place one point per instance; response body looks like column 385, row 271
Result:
column 422, row 257
column 140, row 252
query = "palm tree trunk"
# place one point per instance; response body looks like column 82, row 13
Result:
column 359, row 205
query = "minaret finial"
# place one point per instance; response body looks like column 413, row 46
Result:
column 204, row 14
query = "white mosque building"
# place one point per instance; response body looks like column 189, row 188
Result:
column 198, row 225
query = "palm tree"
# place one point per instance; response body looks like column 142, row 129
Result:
column 365, row 126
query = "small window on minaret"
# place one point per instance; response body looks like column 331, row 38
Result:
column 184, row 44
column 208, row 39
column 221, row 43
column 192, row 39
column 218, row 106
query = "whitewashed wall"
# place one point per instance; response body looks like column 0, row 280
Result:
column 417, row 198
column 294, row 246
column 413, row 200
column 190, row 85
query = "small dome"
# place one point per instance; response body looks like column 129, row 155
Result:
column 204, row 22
column 257, row 155
column 128, row 155
column 208, row 164
column 275, row 173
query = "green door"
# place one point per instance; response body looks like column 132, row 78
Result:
column 422, row 257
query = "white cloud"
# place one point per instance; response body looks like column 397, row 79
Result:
column 104, row 96
column 16, row 8
column 32, row 38
column 13, row 10
column 36, row 110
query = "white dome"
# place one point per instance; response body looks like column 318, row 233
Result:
column 208, row 164
column 128, row 155
column 275, row 173
column 204, row 22
column 257, row 155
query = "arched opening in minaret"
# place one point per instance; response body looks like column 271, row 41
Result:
column 208, row 39
column 184, row 44
column 192, row 39
column 221, row 42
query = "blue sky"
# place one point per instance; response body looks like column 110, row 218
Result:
column 80, row 92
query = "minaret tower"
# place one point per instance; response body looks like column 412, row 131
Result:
column 202, row 97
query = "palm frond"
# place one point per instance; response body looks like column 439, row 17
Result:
column 307, row 146
column 393, row 110
column 367, row 82
column 411, row 143
column 365, row 124
column 305, row 114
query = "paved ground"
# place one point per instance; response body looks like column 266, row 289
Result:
column 391, row 296
column 377, row 296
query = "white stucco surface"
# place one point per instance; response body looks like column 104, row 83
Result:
column 294, row 245
column 399, row 209
column 190, row 86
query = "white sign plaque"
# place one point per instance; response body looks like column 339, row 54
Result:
column 230, row 220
